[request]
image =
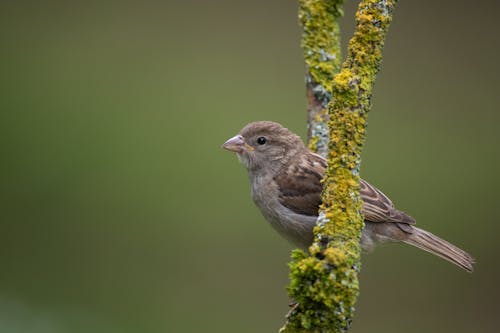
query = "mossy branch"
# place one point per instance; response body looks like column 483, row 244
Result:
column 325, row 283
column 322, row 55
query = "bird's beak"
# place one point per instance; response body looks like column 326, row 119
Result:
column 235, row 144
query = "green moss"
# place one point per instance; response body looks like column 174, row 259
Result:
column 325, row 284
column 325, row 288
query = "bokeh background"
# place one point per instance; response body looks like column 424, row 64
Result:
column 120, row 212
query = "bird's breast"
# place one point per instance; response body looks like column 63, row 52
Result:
column 294, row 227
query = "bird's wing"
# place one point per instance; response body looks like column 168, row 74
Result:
column 299, row 184
column 377, row 207
column 300, row 191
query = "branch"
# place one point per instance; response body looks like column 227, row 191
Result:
column 322, row 55
column 325, row 284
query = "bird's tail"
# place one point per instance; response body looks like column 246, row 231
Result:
column 431, row 243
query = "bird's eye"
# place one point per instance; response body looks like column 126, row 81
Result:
column 262, row 140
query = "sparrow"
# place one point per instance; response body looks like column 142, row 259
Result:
column 285, row 179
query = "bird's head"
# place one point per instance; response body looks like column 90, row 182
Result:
column 264, row 145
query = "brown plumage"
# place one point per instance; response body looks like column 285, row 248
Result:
column 286, row 186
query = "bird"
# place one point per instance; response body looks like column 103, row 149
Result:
column 286, row 185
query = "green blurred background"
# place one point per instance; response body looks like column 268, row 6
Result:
column 120, row 212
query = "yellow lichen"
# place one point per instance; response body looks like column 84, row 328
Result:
column 321, row 45
column 325, row 284
column 313, row 143
column 321, row 39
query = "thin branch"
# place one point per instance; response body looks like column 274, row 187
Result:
column 322, row 54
